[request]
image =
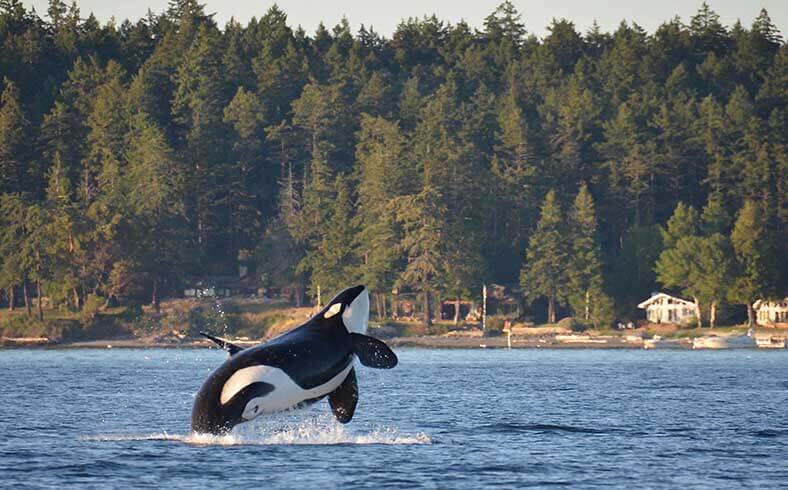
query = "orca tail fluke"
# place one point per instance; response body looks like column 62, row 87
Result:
column 344, row 399
column 228, row 346
column 373, row 352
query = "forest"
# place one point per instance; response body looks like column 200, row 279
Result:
column 584, row 170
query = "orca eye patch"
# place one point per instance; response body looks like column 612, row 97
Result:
column 242, row 380
column 332, row 311
column 254, row 390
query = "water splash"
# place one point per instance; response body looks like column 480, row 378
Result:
column 222, row 318
column 316, row 431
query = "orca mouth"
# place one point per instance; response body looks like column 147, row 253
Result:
column 215, row 426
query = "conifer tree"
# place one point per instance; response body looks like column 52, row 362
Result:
column 333, row 261
column 198, row 110
column 585, row 267
column 14, row 141
column 748, row 239
column 63, row 245
column 251, row 184
column 515, row 164
column 108, row 125
column 544, row 273
column 422, row 217
column 155, row 195
column 383, row 174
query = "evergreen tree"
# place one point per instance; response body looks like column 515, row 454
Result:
column 383, row 175
column 422, row 218
column 585, row 267
column 516, row 165
column 251, row 184
column 544, row 273
column 108, row 125
column 155, row 194
column 14, row 141
column 332, row 262
column 198, row 110
column 752, row 264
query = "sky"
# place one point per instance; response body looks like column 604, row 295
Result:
column 384, row 16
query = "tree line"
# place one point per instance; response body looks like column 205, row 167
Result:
column 135, row 157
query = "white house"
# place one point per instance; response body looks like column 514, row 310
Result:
column 664, row 308
column 771, row 312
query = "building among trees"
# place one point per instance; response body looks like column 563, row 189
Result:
column 664, row 308
column 770, row 313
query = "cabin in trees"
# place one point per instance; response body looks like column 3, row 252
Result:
column 244, row 284
column 664, row 308
column 502, row 300
column 770, row 313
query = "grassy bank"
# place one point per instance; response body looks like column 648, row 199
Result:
column 179, row 322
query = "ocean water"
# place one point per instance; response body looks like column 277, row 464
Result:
column 441, row 419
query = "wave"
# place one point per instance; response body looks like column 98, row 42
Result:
column 313, row 432
column 513, row 427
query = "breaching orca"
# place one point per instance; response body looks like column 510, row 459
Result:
column 297, row 368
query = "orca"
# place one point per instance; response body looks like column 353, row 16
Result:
column 297, row 368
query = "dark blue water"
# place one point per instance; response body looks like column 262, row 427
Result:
column 441, row 419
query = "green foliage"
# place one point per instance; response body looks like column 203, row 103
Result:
column 90, row 311
column 633, row 276
column 585, row 267
column 138, row 157
column 24, row 326
column 331, row 263
column 701, row 266
column 14, row 142
column 755, row 265
column 382, row 177
column 685, row 222
column 544, row 273
column 571, row 323
column 210, row 319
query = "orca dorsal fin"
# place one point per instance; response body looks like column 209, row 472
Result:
column 373, row 352
column 228, row 346
column 344, row 399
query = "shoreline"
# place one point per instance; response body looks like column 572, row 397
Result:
column 544, row 341
column 424, row 342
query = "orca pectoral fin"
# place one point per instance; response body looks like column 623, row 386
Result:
column 229, row 347
column 373, row 352
column 343, row 400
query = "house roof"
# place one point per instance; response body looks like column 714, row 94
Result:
column 657, row 296
column 762, row 302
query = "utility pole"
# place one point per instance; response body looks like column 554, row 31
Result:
column 484, row 308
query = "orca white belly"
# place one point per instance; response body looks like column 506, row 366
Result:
column 286, row 394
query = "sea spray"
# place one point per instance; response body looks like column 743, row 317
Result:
column 318, row 430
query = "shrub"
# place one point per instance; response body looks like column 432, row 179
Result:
column 90, row 310
column 571, row 323
column 494, row 326
column 143, row 325
column 210, row 320
column 25, row 326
